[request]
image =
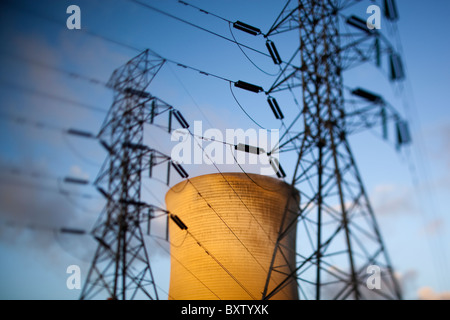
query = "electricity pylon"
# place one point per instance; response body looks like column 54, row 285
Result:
column 341, row 237
column 121, row 266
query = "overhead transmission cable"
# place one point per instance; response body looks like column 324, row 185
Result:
column 52, row 96
column 178, row 261
column 48, row 188
column 148, row 6
column 40, row 227
column 40, row 15
column 411, row 110
column 242, row 84
column 238, row 25
column 41, row 64
column 59, row 190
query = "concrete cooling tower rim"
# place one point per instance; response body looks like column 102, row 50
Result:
column 261, row 181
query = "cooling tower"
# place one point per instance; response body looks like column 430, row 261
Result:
column 233, row 220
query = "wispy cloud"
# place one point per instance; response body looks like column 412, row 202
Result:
column 427, row 293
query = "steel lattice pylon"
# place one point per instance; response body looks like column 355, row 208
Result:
column 341, row 237
column 121, row 267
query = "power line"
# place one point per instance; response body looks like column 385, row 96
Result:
column 46, row 176
column 47, row 188
column 221, row 265
column 230, row 23
column 145, row 5
column 20, row 120
column 248, row 58
column 47, row 95
column 421, row 152
column 16, row 6
column 41, row 64
column 198, row 70
column 243, row 110
column 194, row 136
column 77, row 231
column 204, row 11
column 96, row 81
column 175, row 258
column 46, row 228
column 240, row 199
column 220, row 217
column 108, row 39
column 226, row 224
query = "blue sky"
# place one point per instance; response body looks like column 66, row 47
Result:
column 408, row 189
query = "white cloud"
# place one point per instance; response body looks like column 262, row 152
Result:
column 434, row 227
column 77, row 172
column 392, row 199
column 427, row 293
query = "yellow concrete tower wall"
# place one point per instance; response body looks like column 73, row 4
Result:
column 238, row 229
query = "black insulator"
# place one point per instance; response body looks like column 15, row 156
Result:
column 72, row 231
column 396, row 64
column 180, row 119
column 359, row 24
column 80, row 133
column 403, row 134
column 275, row 108
column 246, row 28
column 273, row 52
column 367, row 95
column 107, row 147
column 137, row 93
column 277, row 168
column 134, row 146
column 248, row 86
column 103, row 192
column 390, row 10
column 180, row 170
column 178, row 222
column 133, row 202
column 76, row 180
column 248, row 149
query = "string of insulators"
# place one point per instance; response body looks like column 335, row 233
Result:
column 178, row 222
column 360, row 24
column 275, row 108
column 246, row 28
column 384, row 123
column 396, row 66
column 273, row 52
column 390, row 10
column 249, row 149
column 80, row 133
column 403, row 133
column 72, row 231
column 277, row 167
column 104, row 193
column 179, row 117
column 248, row 86
column 137, row 93
column 134, row 146
column 133, row 202
column 180, row 170
column 183, row 123
column 76, row 180
column 367, row 95
column 107, row 147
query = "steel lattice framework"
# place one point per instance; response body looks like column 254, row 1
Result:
column 335, row 216
column 121, row 266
